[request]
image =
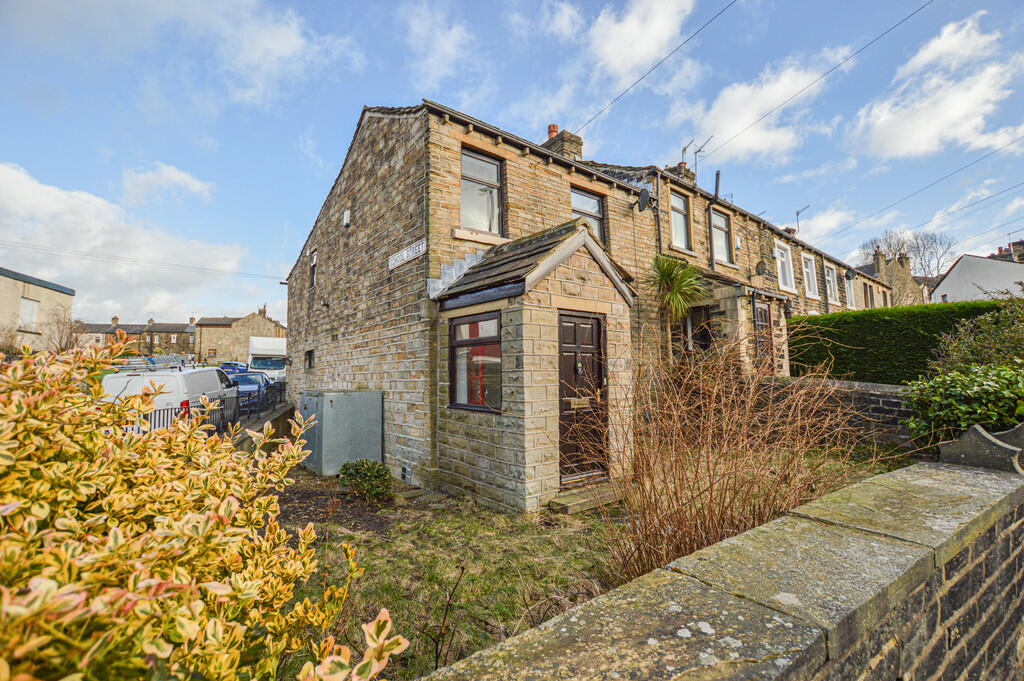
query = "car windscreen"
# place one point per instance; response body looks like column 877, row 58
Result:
column 267, row 363
column 247, row 379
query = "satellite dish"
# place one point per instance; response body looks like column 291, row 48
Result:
column 762, row 267
column 850, row 275
column 644, row 200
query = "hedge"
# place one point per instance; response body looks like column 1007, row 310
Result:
column 882, row 345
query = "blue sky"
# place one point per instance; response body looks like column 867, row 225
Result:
column 159, row 136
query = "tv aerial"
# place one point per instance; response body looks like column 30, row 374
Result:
column 798, row 216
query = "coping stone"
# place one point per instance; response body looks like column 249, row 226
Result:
column 941, row 506
column 841, row 579
column 660, row 626
column 976, row 447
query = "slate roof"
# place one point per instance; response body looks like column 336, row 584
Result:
column 171, row 327
column 215, row 321
column 18, row 276
column 509, row 264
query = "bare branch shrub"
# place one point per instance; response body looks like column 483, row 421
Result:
column 721, row 446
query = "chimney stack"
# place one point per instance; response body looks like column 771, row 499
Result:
column 564, row 143
column 790, row 230
column 263, row 310
column 115, row 320
column 878, row 261
column 903, row 260
column 151, row 321
column 191, row 321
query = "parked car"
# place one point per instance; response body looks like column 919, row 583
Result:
column 182, row 390
column 253, row 387
column 233, row 367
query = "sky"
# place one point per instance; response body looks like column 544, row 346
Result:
column 167, row 158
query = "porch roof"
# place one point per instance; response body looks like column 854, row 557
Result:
column 512, row 268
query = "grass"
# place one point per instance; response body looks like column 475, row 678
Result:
column 457, row 577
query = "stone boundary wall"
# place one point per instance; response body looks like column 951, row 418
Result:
column 880, row 408
column 911, row 575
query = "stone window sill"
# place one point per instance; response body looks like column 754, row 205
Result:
column 684, row 251
column 726, row 264
column 479, row 237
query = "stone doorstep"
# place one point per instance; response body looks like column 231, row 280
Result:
column 586, row 498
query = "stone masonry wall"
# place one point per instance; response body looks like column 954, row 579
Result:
column 914, row 575
column 369, row 326
column 510, row 460
column 232, row 342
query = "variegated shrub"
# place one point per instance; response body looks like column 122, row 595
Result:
column 127, row 553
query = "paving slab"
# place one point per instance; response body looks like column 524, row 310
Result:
column 658, row 627
column 937, row 505
column 841, row 579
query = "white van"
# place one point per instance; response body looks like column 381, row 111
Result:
column 182, row 389
column 268, row 355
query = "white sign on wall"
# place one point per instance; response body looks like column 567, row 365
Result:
column 408, row 253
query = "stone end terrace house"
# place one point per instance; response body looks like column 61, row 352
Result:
column 226, row 339
column 483, row 282
column 153, row 337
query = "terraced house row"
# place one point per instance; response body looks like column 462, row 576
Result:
column 488, row 286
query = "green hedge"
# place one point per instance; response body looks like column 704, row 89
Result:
column 883, row 345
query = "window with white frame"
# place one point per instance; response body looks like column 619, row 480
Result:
column 174, row 338
column 680, row 222
column 810, row 276
column 156, row 338
column 851, row 302
column 28, row 314
column 784, row 266
column 831, row 283
column 721, row 233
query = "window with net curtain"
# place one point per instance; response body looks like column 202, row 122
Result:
column 721, row 236
column 474, row 358
column 480, row 207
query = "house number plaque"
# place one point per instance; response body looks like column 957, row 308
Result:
column 579, row 402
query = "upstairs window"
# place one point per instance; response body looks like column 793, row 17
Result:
column 831, row 284
column 810, row 276
column 721, row 233
column 156, row 338
column 784, row 266
column 680, row 222
column 309, row 359
column 174, row 338
column 480, row 206
column 590, row 207
column 27, row 315
column 850, row 302
column 474, row 359
column 312, row 269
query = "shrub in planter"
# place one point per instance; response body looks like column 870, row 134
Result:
column 369, row 480
column 991, row 396
column 129, row 553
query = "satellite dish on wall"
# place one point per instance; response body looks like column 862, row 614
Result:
column 644, row 201
column 762, row 267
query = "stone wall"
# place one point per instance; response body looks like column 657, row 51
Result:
column 912, row 575
column 370, row 326
column 231, row 342
column 511, row 460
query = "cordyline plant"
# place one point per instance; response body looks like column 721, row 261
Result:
column 131, row 553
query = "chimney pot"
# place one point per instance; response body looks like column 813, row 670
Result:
column 552, row 130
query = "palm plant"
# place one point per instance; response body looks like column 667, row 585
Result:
column 676, row 286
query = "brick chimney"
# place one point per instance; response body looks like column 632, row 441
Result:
column 115, row 320
column 564, row 143
column 878, row 261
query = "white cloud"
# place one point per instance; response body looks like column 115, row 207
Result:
column 820, row 224
column 436, row 43
column 829, row 169
column 739, row 104
column 945, row 94
column 35, row 213
column 561, row 19
column 1012, row 207
column 144, row 185
column 308, row 148
column 942, row 220
column 257, row 49
column 626, row 44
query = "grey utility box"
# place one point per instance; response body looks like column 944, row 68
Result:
column 349, row 426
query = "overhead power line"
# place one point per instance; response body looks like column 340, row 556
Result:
column 122, row 260
column 821, row 77
column 660, row 62
column 969, row 205
column 993, row 229
column 918, row 191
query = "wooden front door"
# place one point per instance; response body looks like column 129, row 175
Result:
column 763, row 331
column 582, row 412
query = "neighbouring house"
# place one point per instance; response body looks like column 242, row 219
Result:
column 226, row 339
column 1014, row 252
column 151, row 338
column 895, row 272
column 488, row 286
column 927, row 285
column 30, row 308
column 974, row 277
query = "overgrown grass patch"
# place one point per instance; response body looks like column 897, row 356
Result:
column 457, row 577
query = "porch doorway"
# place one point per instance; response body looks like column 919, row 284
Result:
column 582, row 398
column 763, row 331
